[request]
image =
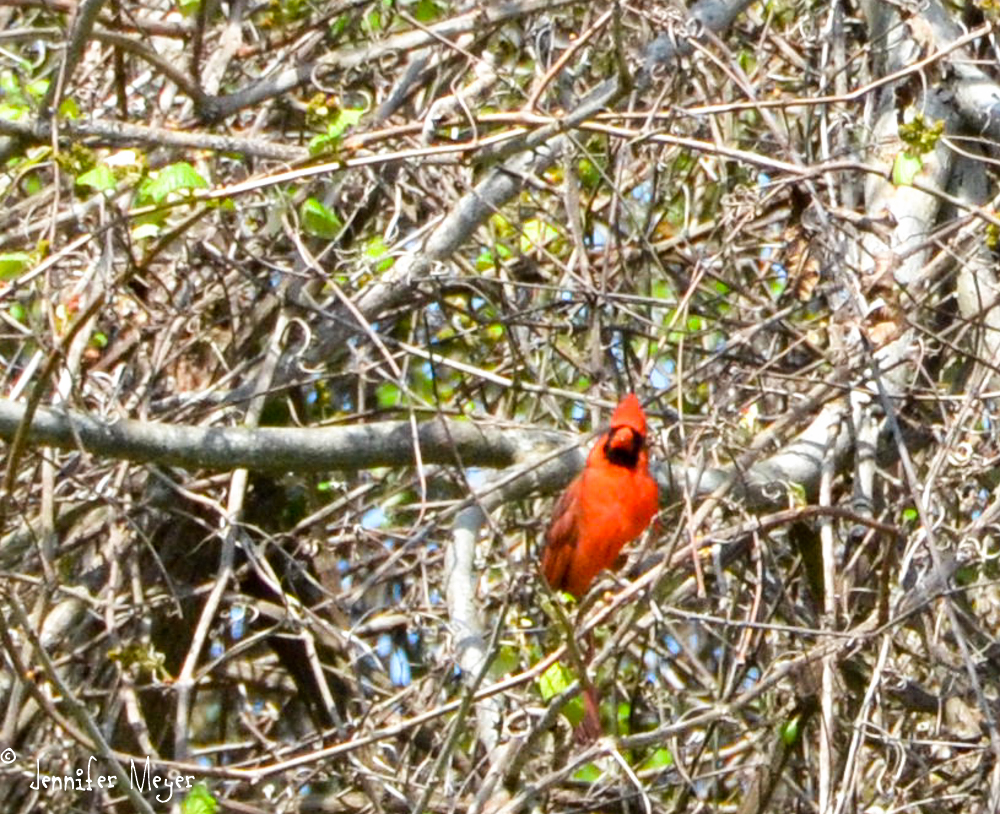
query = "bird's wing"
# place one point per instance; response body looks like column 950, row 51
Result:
column 561, row 538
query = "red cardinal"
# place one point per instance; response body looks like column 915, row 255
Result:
column 608, row 505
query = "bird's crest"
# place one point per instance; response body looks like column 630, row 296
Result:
column 629, row 414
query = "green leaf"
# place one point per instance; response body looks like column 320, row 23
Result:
column 9, row 85
column 346, row 117
column 660, row 759
column 484, row 260
column 501, row 225
column 905, row 168
column 321, row 144
column 32, row 184
column 797, row 492
column 426, row 11
column 12, row 264
column 337, row 27
column 12, row 113
column 69, row 109
column 919, row 135
column 589, row 174
column 199, row 801
column 174, row 178
column 554, row 681
column 910, row 514
column 661, row 290
column 624, row 715
column 100, row 178
column 319, row 220
column 536, row 232
column 791, row 731
column 388, row 395
column 776, row 285
column 589, row 773
column 505, row 662
column 377, row 253
column 38, row 88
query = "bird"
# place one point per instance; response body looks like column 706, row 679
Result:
column 609, row 504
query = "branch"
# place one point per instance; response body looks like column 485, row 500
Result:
column 215, row 108
column 279, row 449
column 114, row 132
column 525, row 157
column 545, row 460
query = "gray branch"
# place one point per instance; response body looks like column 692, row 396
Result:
column 279, row 449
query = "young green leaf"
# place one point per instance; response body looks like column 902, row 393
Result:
column 905, row 168
column 199, row 801
column 319, row 220
column 12, row 264
column 554, row 681
column 174, row 178
column 100, row 178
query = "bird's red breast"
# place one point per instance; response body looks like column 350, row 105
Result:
column 609, row 504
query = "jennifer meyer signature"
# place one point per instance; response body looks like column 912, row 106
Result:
column 140, row 778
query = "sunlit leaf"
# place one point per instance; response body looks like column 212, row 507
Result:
column 660, row 759
column 12, row 113
column 378, row 253
column 100, row 178
column 536, row 232
column 38, row 88
column 426, row 11
column 346, row 117
column 797, row 493
column 69, row 109
column 319, row 220
column 12, row 264
column 589, row 773
column 662, row 290
column 9, row 84
column 174, row 178
column 388, row 395
column 199, row 801
column 905, row 168
column 919, row 135
column 556, row 679
column 624, row 716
